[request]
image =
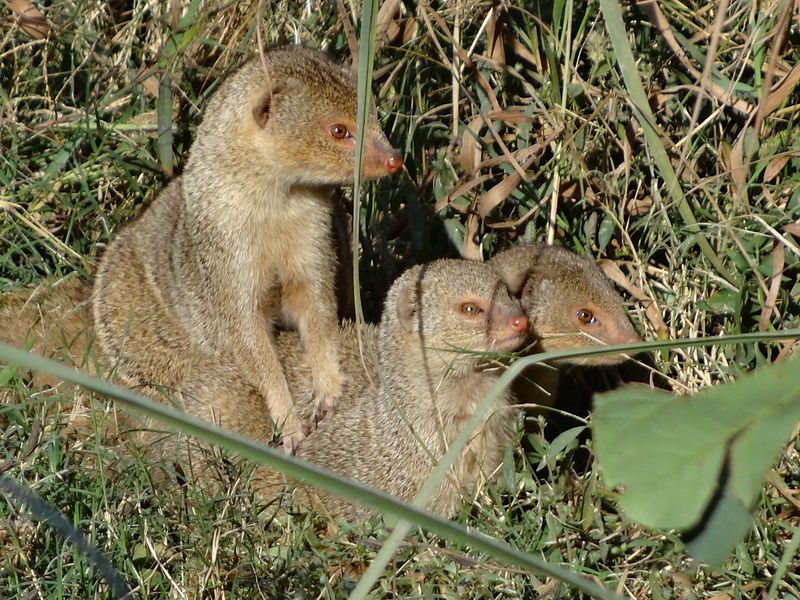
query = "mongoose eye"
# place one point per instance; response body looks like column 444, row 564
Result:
column 340, row 132
column 471, row 309
column 586, row 316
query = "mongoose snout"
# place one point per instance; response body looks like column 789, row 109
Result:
column 508, row 331
column 394, row 163
column 379, row 158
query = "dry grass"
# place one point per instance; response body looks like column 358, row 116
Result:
column 513, row 123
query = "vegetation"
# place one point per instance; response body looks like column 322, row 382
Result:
column 513, row 121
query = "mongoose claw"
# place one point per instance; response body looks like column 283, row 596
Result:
column 324, row 410
column 327, row 391
column 293, row 436
column 291, row 443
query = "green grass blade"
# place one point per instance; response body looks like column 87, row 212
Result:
column 366, row 56
column 401, row 529
column 307, row 472
column 612, row 12
column 164, row 115
column 44, row 512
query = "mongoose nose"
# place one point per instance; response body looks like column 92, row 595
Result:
column 519, row 323
column 394, row 164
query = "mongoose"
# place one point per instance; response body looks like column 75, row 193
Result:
column 569, row 302
column 579, row 279
column 436, row 319
column 240, row 240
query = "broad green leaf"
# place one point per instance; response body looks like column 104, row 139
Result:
column 672, row 455
column 725, row 302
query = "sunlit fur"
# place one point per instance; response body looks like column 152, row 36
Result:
column 186, row 295
column 389, row 433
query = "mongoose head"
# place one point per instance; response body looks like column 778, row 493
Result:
column 293, row 115
column 443, row 311
column 569, row 301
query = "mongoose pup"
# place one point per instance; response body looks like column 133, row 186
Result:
column 437, row 320
column 240, row 240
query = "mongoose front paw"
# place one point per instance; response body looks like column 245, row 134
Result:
column 326, row 397
column 293, row 433
column 323, row 409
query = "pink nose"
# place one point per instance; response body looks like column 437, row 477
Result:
column 394, row 164
column 519, row 323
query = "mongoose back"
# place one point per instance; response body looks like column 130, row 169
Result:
column 240, row 240
column 435, row 319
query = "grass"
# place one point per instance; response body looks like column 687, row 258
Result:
column 80, row 155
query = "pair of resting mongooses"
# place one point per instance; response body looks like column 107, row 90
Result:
column 186, row 296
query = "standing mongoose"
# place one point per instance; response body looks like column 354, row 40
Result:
column 241, row 240
column 437, row 321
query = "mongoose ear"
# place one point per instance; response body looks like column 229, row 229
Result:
column 263, row 106
column 515, row 280
column 407, row 307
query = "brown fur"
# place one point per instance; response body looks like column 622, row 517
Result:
column 552, row 284
column 54, row 320
column 356, row 442
column 194, row 285
column 555, row 287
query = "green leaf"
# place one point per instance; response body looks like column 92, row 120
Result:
column 681, row 459
column 58, row 162
column 724, row 302
column 607, row 228
column 7, row 372
column 558, row 445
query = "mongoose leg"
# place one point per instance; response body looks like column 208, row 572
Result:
column 276, row 400
column 311, row 307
